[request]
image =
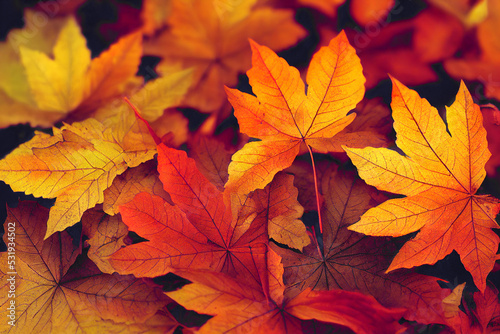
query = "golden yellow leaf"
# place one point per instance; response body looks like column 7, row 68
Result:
column 75, row 165
column 13, row 78
column 108, row 74
column 15, row 93
column 46, row 74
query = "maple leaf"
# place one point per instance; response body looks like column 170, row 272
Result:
column 350, row 261
column 211, row 36
column 57, row 84
column 75, row 165
column 48, row 76
column 238, row 307
column 197, row 232
column 56, row 294
column 439, row 175
column 81, row 160
column 283, row 117
column 15, row 91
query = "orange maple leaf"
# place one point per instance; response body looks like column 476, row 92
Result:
column 200, row 231
column 211, row 36
column 238, row 307
column 439, row 175
column 57, row 290
column 284, row 118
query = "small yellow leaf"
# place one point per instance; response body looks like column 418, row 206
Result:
column 452, row 302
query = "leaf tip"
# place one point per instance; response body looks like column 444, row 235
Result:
column 395, row 82
column 345, row 148
column 253, row 44
column 463, row 88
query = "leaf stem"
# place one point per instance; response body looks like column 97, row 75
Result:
column 317, row 243
column 138, row 115
column 316, row 189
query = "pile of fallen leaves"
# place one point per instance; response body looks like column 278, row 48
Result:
column 295, row 199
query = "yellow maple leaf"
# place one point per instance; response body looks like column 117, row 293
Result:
column 75, row 165
column 47, row 72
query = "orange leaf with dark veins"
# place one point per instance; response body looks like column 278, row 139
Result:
column 284, row 117
column 439, row 174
